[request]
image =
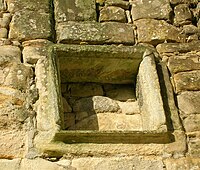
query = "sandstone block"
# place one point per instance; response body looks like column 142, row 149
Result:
column 192, row 123
column 26, row 25
column 36, row 5
column 183, row 15
column 6, row 164
column 115, row 163
column 118, row 3
column 78, row 10
column 33, row 164
column 96, row 104
column 112, row 13
column 194, row 143
column 3, row 33
column 188, row 102
column 9, row 54
column 129, row 108
column 184, row 62
column 110, row 121
column 149, row 96
column 156, row 9
column 95, row 33
column 157, row 31
column 178, row 47
column 182, row 163
column 85, row 90
column 187, row 81
column 5, row 20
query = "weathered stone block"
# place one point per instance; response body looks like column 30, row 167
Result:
column 129, row 108
column 66, row 107
column 184, row 62
column 122, row 163
column 6, row 164
column 118, row 3
column 69, row 119
column 112, row 13
column 75, row 10
column 148, row 94
column 156, row 9
column 3, row 33
column 192, row 123
column 27, row 25
column 80, row 63
column 157, row 31
column 183, row 15
column 95, row 33
column 194, row 143
column 190, row 29
column 188, row 102
column 110, row 121
column 178, row 47
column 182, row 163
column 36, row 5
column 183, row 1
column 187, row 81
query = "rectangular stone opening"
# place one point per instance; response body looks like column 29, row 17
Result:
column 108, row 94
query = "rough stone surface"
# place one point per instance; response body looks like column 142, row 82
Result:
column 78, row 10
column 194, row 143
column 96, row 104
column 95, row 33
column 157, row 31
column 183, row 15
column 182, row 163
column 36, row 5
column 66, row 107
column 39, row 25
column 3, row 33
column 184, row 62
column 112, row 13
column 149, row 96
column 118, row 3
column 187, row 81
column 178, row 47
column 156, row 9
column 6, row 164
column 110, row 121
column 121, row 163
column 69, row 119
column 192, row 123
column 183, row 1
column 129, row 108
column 188, row 102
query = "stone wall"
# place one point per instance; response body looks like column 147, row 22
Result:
column 31, row 35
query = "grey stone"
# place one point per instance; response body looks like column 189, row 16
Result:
column 178, row 47
column 36, row 5
column 77, row 10
column 85, row 89
column 95, row 33
column 184, row 62
column 27, row 25
column 157, row 9
column 157, row 31
column 80, row 63
column 116, row 163
column 187, row 81
column 183, row 15
column 112, row 13
column 149, row 96
column 110, row 121
column 188, row 103
column 96, row 104
column 118, row 3
column 7, row 164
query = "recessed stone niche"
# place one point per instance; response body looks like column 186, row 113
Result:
column 106, row 93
